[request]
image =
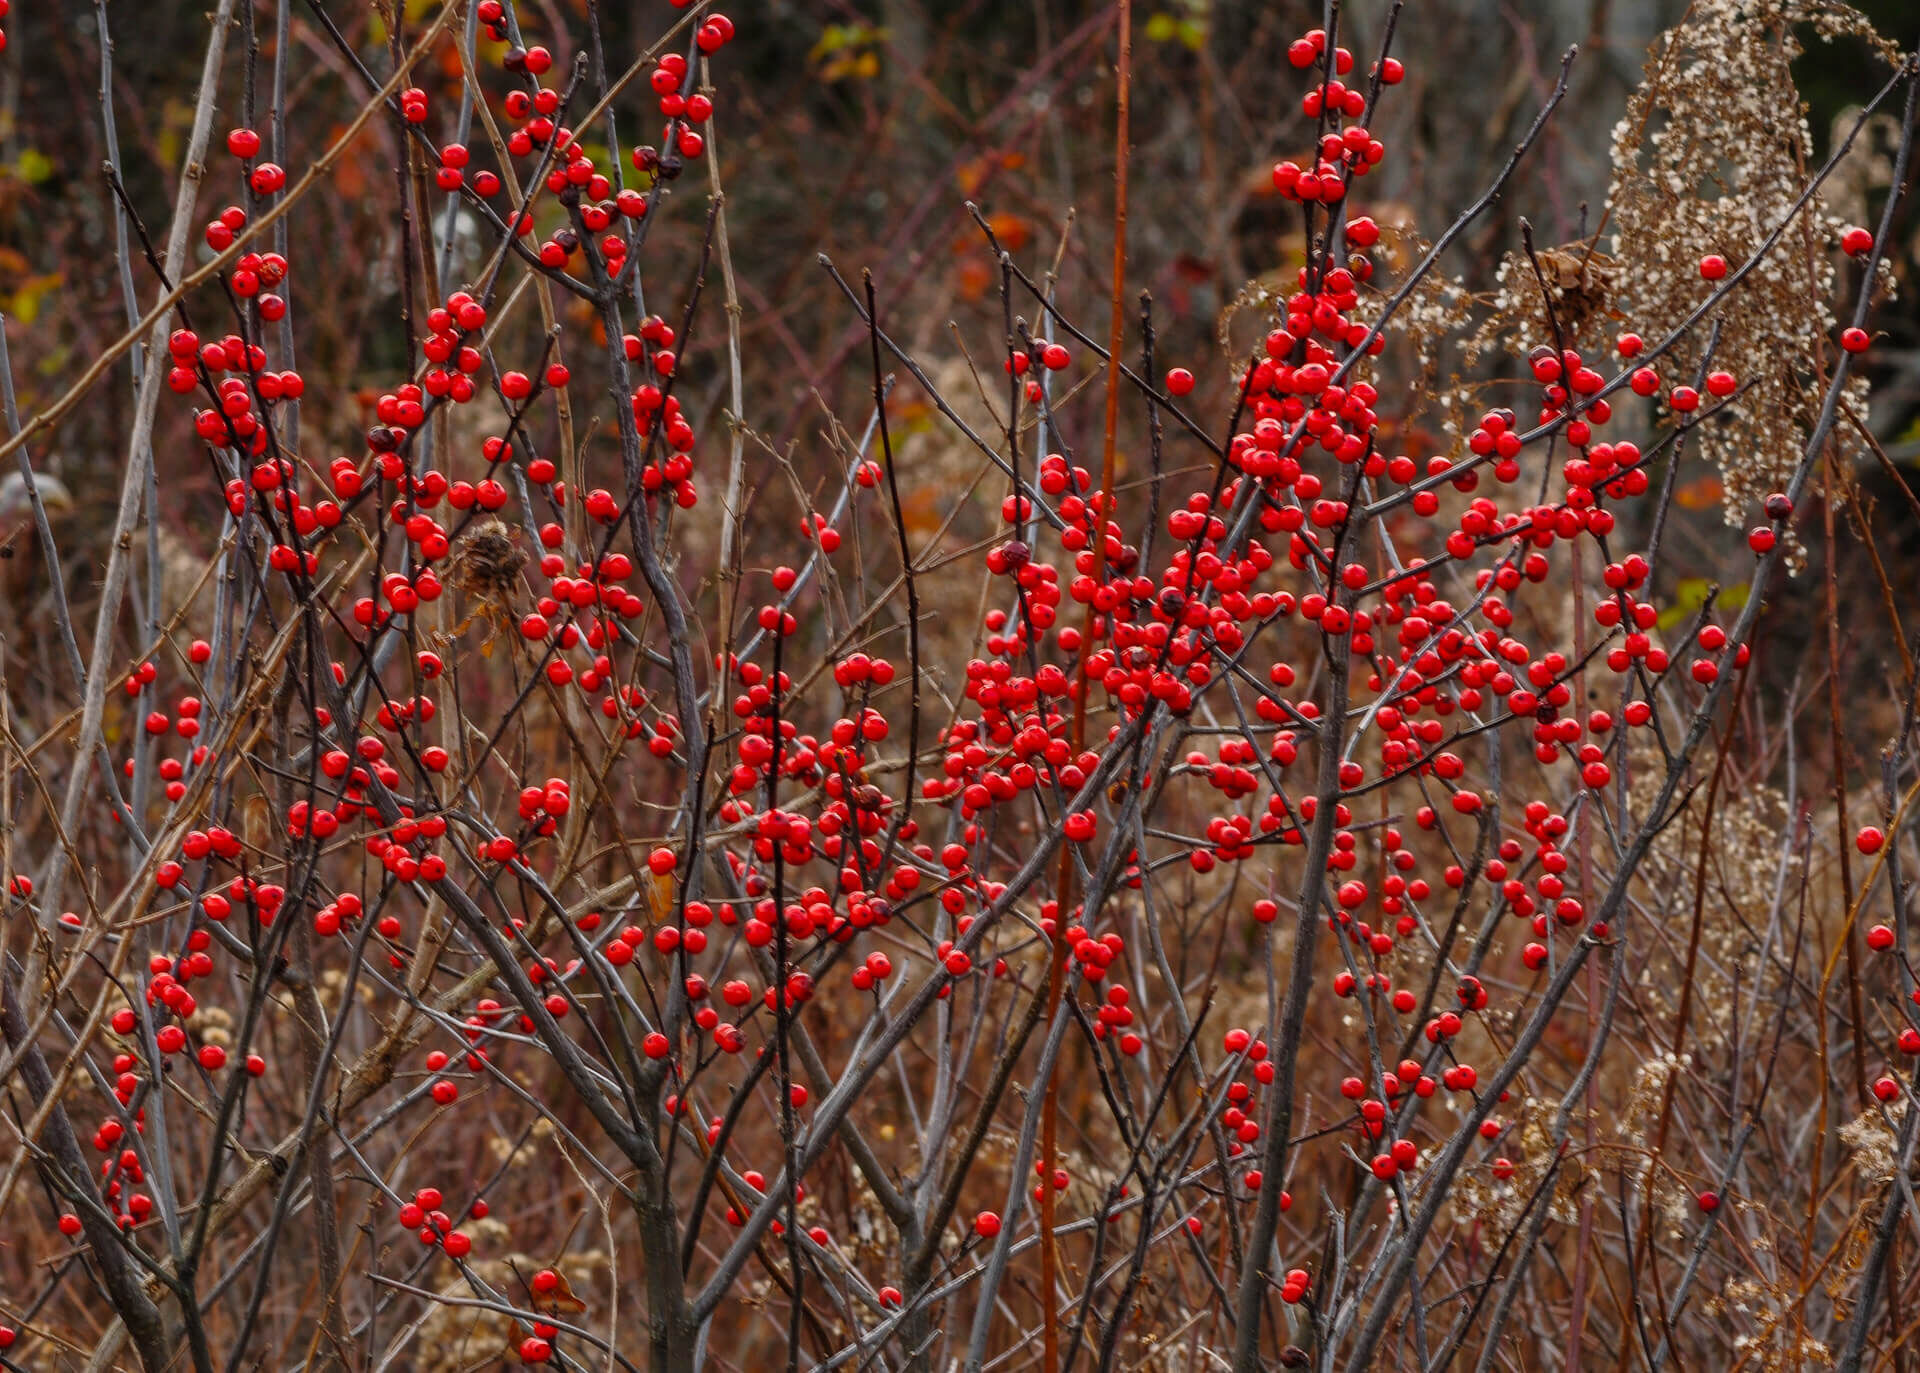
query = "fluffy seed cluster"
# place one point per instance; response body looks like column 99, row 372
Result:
column 1706, row 160
column 1752, row 862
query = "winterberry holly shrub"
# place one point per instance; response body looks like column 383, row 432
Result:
column 1284, row 893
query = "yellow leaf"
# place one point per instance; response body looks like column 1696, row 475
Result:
column 1691, row 594
column 832, row 38
column 660, row 896
column 847, row 50
column 34, row 166
column 27, row 298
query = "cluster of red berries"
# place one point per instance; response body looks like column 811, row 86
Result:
column 169, row 1006
column 1343, row 153
column 434, row 1226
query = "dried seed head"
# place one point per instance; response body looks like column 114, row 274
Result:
column 487, row 561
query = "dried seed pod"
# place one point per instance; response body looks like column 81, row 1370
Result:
column 487, row 561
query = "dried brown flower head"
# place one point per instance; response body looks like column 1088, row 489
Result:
column 1711, row 156
column 487, row 561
